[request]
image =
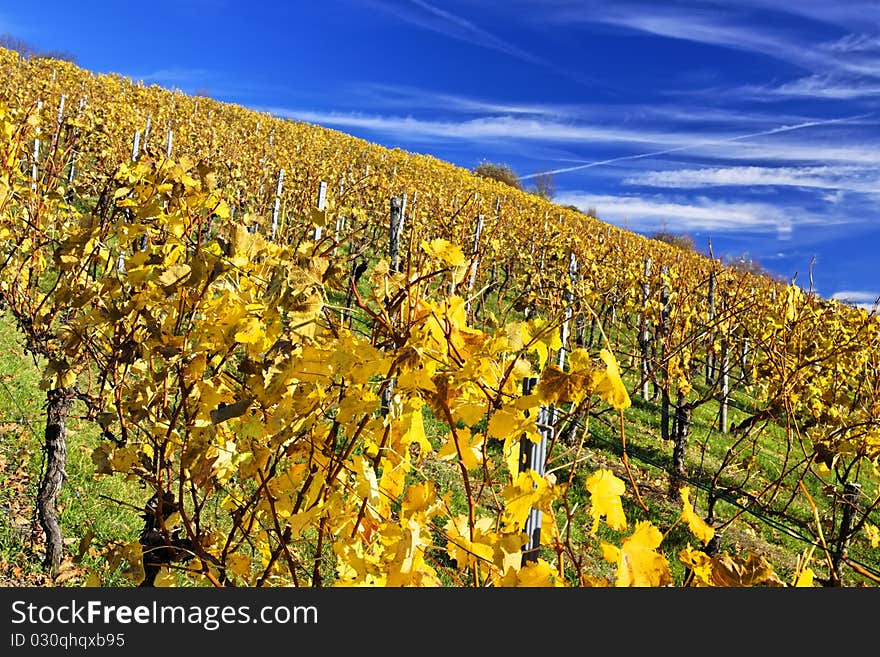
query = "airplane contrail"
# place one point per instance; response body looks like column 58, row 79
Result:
column 774, row 131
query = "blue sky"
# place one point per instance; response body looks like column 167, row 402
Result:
column 754, row 123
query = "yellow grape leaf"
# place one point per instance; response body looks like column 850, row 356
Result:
column 805, row 578
column 697, row 525
column 608, row 384
column 753, row 570
column 540, row 340
column 57, row 375
column 413, row 426
column 557, row 387
column 470, row 446
column 318, row 217
column 539, row 573
column 873, row 534
column 469, row 412
column 444, row 250
column 131, row 557
column 528, row 490
column 174, row 275
column 124, row 458
column 166, row 578
column 725, row 570
column 250, row 332
column 605, row 490
column 420, row 500
column 240, row 564
column 638, row 562
column 699, row 563
column 503, row 423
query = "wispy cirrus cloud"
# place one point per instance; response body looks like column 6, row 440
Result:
column 683, row 116
column 435, row 19
column 860, row 298
column 854, row 43
column 841, row 178
column 842, row 66
column 698, row 22
column 174, row 75
column 385, row 96
column 825, row 86
column 652, row 135
column 704, row 143
column 647, row 213
column 483, row 128
column 734, row 27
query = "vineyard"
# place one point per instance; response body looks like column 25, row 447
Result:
column 301, row 359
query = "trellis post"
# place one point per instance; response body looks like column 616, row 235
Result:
column 395, row 228
column 532, row 456
column 277, row 206
column 322, row 203
column 644, row 334
column 475, row 261
column 36, row 150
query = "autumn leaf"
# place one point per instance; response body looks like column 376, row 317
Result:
column 605, row 490
column 519, row 499
column 470, row 446
column 131, row 557
column 444, row 250
column 697, row 525
column 174, row 275
column 725, row 570
column 804, row 578
column 557, row 387
column 638, row 562
column 608, row 384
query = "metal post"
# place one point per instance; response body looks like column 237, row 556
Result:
column 277, row 203
column 710, row 355
column 725, row 386
column 322, row 203
column 475, row 260
column 644, row 334
column 395, row 229
column 532, row 457
column 58, row 124
column 36, row 150
column 664, row 331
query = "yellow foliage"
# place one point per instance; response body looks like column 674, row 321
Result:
column 605, row 490
column 638, row 562
column 697, row 525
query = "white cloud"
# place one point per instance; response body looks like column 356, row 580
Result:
column 645, row 213
column 173, row 75
column 730, row 27
column 848, row 178
column 723, row 145
column 823, row 86
column 854, row 43
column 391, row 95
column 445, row 23
column 491, row 127
column 860, row 298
